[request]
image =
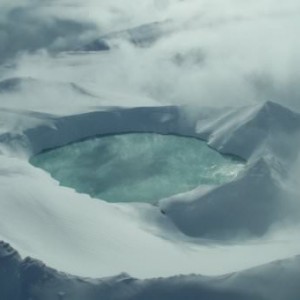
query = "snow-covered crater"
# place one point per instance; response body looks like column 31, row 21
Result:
column 182, row 227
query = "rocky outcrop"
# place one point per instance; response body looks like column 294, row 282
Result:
column 10, row 273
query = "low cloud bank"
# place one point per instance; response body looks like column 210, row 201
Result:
column 211, row 52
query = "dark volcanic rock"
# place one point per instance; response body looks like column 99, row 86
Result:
column 10, row 284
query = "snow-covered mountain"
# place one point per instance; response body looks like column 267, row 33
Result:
column 30, row 278
column 223, row 72
column 252, row 205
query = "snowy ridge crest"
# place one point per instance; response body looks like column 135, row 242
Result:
column 247, row 207
column 31, row 279
column 243, row 131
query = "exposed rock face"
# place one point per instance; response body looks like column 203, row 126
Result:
column 10, row 282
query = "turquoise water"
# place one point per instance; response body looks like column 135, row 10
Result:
column 137, row 167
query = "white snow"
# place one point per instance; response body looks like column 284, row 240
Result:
column 177, row 57
column 89, row 237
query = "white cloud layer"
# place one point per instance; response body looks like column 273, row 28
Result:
column 212, row 52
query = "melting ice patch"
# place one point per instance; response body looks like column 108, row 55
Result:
column 137, row 167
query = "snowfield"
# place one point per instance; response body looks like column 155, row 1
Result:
column 247, row 222
column 223, row 72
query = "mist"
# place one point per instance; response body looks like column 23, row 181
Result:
column 223, row 72
column 207, row 52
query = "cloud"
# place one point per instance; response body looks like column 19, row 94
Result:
column 212, row 52
column 25, row 28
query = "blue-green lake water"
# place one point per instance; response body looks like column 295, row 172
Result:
column 137, row 167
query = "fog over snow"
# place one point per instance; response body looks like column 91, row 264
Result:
column 209, row 52
column 223, row 71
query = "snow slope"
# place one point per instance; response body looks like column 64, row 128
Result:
column 209, row 232
column 253, row 202
column 163, row 61
column 274, row 281
column 71, row 231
